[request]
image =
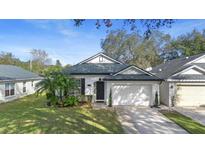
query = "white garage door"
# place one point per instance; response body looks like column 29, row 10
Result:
column 190, row 95
column 124, row 94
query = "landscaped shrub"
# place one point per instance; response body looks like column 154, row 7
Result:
column 110, row 98
column 173, row 100
column 71, row 101
column 156, row 100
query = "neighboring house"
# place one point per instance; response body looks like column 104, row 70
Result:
column 184, row 83
column 130, row 85
column 16, row 82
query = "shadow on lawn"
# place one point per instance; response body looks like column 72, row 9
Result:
column 29, row 115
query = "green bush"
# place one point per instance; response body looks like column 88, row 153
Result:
column 71, row 101
column 110, row 98
column 82, row 98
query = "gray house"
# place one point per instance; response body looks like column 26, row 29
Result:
column 184, row 81
column 16, row 82
column 130, row 85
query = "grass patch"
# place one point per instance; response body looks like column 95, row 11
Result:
column 185, row 122
column 31, row 115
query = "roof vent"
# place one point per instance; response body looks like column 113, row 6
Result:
column 187, row 57
column 160, row 69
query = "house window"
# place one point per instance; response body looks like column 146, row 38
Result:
column 9, row 89
column 32, row 83
column 24, row 87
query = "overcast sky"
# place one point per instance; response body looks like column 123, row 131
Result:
column 63, row 41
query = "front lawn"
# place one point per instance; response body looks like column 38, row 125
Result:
column 30, row 115
column 187, row 123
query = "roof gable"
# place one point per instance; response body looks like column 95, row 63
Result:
column 191, row 70
column 100, row 58
column 199, row 60
column 132, row 70
column 169, row 68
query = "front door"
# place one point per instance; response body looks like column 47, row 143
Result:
column 100, row 91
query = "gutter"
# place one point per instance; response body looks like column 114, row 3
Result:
column 15, row 80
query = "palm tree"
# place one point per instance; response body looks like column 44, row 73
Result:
column 57, row 87
column 48, row 86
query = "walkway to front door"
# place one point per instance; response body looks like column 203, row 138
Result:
column 145, row 120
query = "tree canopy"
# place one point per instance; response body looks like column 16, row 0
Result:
column 39, row 62
column 149, row 25
column 188, row 44
column 135, row 49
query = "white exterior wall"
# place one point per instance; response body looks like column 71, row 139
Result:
column 18, row 90
column 164, row 93
column 90, row 80
column 167, row 91
column 155, row 88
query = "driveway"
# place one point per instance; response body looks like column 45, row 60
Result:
column 145, row 120
column 196, row 113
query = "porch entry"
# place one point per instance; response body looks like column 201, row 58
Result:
column 100, row 93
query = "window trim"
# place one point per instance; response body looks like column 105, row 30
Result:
column 9, row 89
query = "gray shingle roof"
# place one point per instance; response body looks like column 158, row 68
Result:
column 133, row 77
column 165, row 70
column 202, row 65
column 91, row 68
column 11, row 72
column 189, row 77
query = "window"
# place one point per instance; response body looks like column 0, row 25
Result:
column 32, row 83
column 9, row 89
column 24, row 87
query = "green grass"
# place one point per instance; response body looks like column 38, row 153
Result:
column 30, row 115
column 187, row 123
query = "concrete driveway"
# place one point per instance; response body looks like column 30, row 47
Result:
column 145, row 120
column 196, row 113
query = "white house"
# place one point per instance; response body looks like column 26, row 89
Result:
column 184, row 81
column 130, row 85
column 16, row 82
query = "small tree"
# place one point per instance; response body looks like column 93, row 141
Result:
column 156, row 100
column 110, row 98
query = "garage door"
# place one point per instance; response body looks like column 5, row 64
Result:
column 124, row 94
column 190, row 95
